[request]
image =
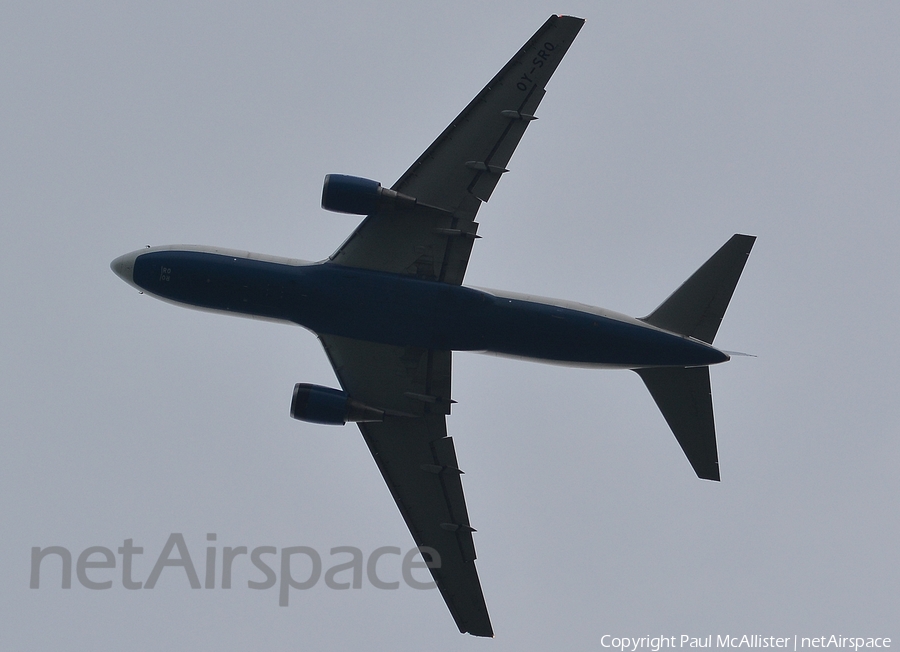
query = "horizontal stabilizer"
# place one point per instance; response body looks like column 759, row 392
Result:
column 685, row 400
column 696, row 308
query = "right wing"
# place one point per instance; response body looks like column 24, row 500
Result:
column 433, row 239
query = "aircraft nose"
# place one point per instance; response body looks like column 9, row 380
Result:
column 123, row 266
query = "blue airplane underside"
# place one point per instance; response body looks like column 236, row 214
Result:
column 404, row 311
column 389, row 307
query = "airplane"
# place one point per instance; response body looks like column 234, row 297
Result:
column 389, row 307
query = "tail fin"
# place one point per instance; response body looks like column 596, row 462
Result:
column 683, row 393
column 696, row 308
column 685, row 400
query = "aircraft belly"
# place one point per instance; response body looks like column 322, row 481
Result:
column 222, row 283
column 389, row 308
column 403, row 311
column 397, row 310
column 560, row 335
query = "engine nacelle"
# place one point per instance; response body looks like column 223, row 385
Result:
column 358, row 196
column 318, row 404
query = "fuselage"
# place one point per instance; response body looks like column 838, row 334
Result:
column 401, row 310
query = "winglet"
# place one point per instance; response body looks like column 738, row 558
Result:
column 696, row 308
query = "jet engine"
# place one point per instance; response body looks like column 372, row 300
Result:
column 318, row 404
column 358, row 196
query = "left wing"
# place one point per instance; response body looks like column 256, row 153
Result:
column 433, row 239
column 417, row 459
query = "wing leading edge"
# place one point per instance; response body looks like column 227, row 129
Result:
column 460, row 169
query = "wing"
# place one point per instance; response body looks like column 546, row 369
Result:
column 417, row 458
column 449, row 181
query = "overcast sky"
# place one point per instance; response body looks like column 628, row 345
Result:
column 667, row 128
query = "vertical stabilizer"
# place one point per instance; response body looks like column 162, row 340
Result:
column 696, row 308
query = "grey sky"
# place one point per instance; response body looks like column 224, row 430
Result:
column 666, row 129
